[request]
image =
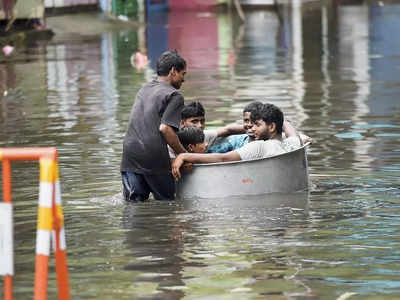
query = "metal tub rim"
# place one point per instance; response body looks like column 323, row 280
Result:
column 255, row 159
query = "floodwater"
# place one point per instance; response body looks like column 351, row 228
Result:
column 335, row 72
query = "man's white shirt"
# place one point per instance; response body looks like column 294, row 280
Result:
column 262, row 149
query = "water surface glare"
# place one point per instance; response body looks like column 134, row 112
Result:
column 333, row 69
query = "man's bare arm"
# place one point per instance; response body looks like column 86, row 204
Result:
column 288, row 129
column 201, row 158
column 230, row 129
column 172, row 139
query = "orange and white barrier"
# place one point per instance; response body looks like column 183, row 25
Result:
column 50, row 222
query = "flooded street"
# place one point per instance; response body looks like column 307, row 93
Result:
column 333, row 69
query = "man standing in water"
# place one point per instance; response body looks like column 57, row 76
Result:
column 154, row 118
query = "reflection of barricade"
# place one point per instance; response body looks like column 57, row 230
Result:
column 50, row 225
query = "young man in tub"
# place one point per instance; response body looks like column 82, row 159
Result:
column 267, row 127
column 239, row 140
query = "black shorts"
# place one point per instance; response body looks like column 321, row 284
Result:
column 137, row 187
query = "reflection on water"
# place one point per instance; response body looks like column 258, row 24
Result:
column 332, row 69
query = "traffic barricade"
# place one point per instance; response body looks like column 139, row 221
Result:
column 50, row 223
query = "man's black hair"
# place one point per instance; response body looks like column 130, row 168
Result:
column 190, row 135
column 253, row 107
column 269, row 113
column 192, row 109
column 169, row 60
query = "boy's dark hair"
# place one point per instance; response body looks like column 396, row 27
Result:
column 169, row 60
column 190, row 135
column 192, row 109
column 269, row 113
column 253, row 107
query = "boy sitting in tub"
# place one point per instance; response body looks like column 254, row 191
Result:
column 267, row 127
column 192, row 139
column 237, row 141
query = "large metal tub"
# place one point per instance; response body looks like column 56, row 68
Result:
column 283, row 173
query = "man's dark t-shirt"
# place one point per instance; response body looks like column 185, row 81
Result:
column 144, row 148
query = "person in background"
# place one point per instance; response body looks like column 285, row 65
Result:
column 154, row 119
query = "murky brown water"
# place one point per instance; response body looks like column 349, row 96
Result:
column 334, row 70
